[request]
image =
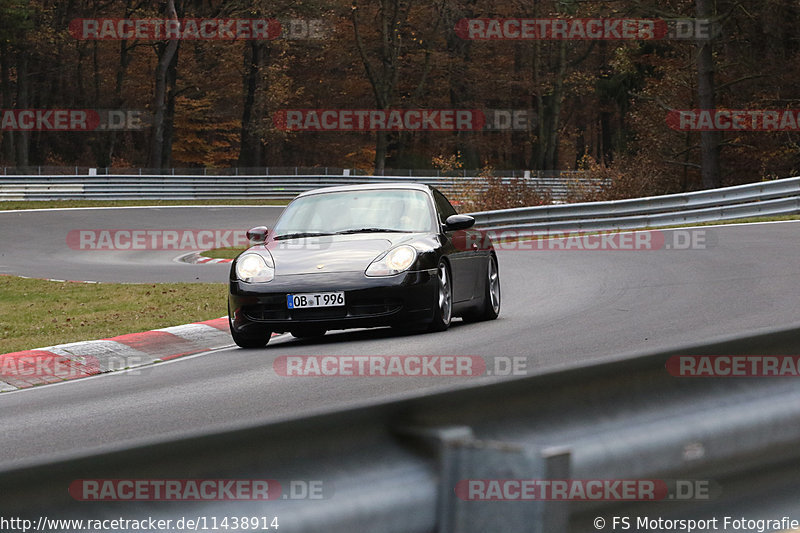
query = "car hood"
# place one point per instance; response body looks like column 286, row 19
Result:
column 335, row 253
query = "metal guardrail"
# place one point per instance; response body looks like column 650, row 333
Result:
column 393, row 466
column 47, row 170
column 770, row 198
column 285, row 187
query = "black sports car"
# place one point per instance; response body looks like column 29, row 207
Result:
column 362, row 256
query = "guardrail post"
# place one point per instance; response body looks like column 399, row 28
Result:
column 464, row 458
column 555, row 515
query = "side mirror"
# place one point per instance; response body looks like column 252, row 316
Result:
column 257, row 235
column 458, row 222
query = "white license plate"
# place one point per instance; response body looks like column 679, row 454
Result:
column 315, row 299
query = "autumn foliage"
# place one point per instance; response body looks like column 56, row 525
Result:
column 599, row 105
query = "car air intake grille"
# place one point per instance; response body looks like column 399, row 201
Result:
column 355, row 309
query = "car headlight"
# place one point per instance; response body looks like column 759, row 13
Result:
column 395, row 261
column 255, row 268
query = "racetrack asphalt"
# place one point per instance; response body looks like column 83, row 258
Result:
column 35, row 243
column 561, row 308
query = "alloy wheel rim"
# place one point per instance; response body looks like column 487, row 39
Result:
column 445, row 302
column 494, row 286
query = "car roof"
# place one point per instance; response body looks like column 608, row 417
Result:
column 370, row 186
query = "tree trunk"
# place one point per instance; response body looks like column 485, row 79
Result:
column 551, row 158
column 107, row 157
column 606, row 138
column 383, row 79
column 709, row 140
column 23, row 138
column 169, row 113
column 5, row 86
column 460, row 90
column 166, row 52
column 250, row 151
column 580, row 147
column 380, row 152
column 538, row 148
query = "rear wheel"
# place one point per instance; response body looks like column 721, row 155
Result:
column 443, row 312
column 490, row 308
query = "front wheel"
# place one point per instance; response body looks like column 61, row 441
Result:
column 253, row 338
column 490, row 308
column 443, row 312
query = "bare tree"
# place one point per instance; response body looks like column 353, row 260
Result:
column 709, row 140
column 256, row 57
column 167, row 53
column 392, row 15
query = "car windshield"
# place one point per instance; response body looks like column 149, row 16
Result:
column 350, row 212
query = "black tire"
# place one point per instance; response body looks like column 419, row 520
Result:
column 443, row 310
column 254, row 338
column 490, row 308
column 308, row 333
column 250, row 340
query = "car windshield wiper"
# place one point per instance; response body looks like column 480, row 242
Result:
column 370, row 230
column 300, row 235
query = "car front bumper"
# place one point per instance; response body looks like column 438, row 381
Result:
column 407, row 298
